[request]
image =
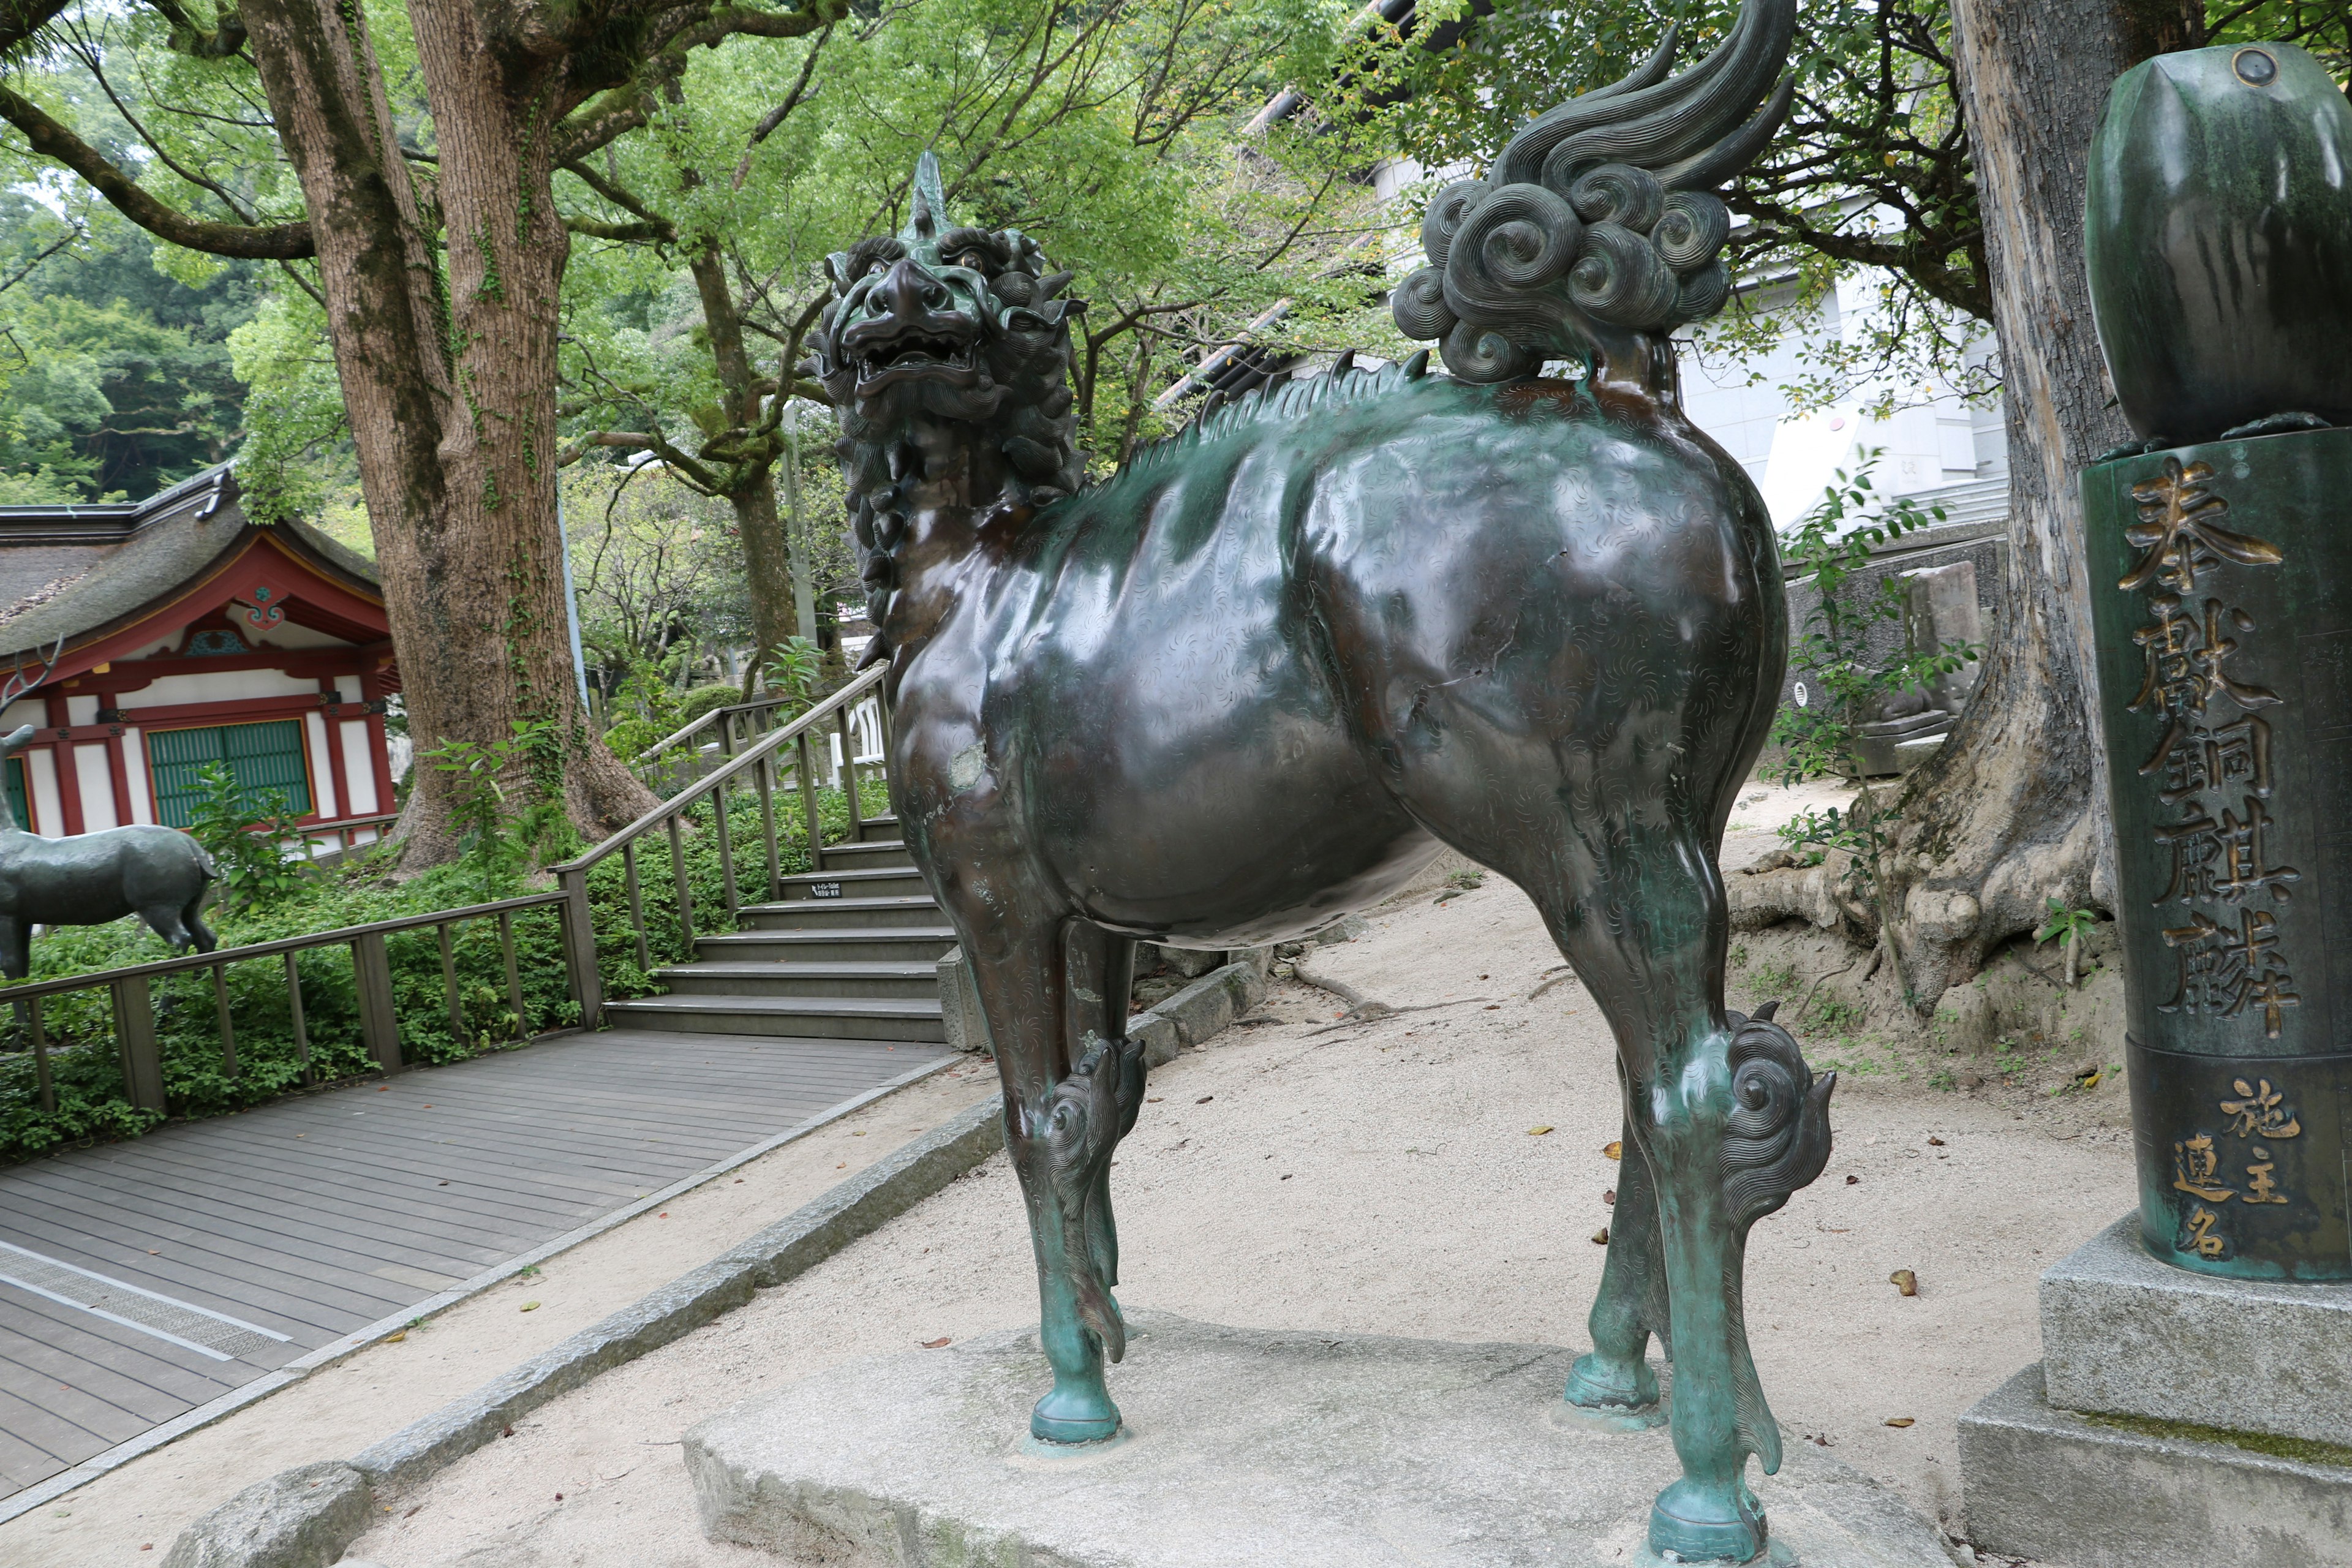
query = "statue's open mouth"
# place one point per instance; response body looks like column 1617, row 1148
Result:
column 911, row 357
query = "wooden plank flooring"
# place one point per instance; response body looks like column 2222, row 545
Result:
column 315, row 1217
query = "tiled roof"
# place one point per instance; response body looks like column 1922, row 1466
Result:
column 70, row 570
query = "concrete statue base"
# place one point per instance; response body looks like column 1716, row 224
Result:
column 2174, row 1417
column 1307, row 1451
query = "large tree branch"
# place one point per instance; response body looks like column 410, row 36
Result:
column 220, row 41
column 20, row 19
column 275, row 242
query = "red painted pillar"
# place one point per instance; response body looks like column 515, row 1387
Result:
column 68, row 776
column 332, row 717
column 118, row 756
column 371, row 688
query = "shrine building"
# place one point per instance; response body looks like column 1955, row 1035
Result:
column 184, row 634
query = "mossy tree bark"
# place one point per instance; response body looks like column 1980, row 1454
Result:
column 2012, row 810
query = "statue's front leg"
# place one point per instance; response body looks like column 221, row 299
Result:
column 1061, row 1147
column 1063, row 1122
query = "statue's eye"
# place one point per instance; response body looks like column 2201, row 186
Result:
column 976, row 260
column 877, row 268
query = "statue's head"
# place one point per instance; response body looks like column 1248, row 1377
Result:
column 945, row 329
column 1597, row 226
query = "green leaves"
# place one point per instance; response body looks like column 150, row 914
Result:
column 257, row 855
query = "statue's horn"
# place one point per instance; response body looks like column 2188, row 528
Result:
column 1763, row 1015
column 926, row 210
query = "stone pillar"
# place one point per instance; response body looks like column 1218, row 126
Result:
column 2221, row 595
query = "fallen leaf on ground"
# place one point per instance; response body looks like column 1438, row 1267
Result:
column 1935, row 1142
column 1853, row 1181
column 1610, row 1197
column 937, row 1345
column 1154, row 1100
column 1899, row 1421
column 395, row 1339
column 1903, row 1280
column 1615, row 1148
column 1204, row 1099
column 531, row 1307
column 1539, row 1132
column 1601, row 1236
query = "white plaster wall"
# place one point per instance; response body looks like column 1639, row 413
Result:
column 41, row 779
column 94, row 773
column 322, row 777
column 81, row 711
column 358, row 768
column 227, row 685
column 347, row 687
column 142, row 800
column 286, row 634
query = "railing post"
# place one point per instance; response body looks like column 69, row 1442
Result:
column 379, row 1024
column 134, row 1033
column 580, row 948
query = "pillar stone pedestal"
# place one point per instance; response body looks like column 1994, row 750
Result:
column 2175, row 1417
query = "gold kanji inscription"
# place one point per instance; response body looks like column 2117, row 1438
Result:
column 2194, row 758
column 2200, row 1232
column 2197, row 1169
column 2179, row 531
column 2260, row 1111
column 2224, row 972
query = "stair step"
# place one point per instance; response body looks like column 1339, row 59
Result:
column 836, row 915
column 876, row 828
column 755, row 978
column 879, row 881
column 869, row 944
column 867, row 854
column 890, row 1018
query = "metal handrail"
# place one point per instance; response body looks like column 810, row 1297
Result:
column 767, row 745
column 698, row 725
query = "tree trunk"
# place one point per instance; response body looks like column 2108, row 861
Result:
column 2012, row 810
column 751, row 490
column 450, row 390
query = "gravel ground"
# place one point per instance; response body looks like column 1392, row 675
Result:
column 1438, row 1173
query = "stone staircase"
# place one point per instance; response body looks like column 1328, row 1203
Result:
column 850, row 951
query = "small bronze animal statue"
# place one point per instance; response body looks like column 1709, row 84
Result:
column 158, row 874
column 1257, row 677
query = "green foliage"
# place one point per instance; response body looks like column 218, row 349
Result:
column 2065, row 924
column 1810, row 834
column 1831, row 546
column 505, row 804
column 257, row 855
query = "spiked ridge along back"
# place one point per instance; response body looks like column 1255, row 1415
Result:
column 1600, row 217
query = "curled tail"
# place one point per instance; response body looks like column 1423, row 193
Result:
column 1599, row 220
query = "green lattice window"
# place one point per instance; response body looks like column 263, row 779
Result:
column 261, row 757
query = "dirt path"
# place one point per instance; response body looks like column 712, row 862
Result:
column 1383, row 1178
column 340, row 1409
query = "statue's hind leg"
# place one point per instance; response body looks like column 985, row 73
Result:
column 1055, row 991
column 1725, row 1120
column 1722, row 1122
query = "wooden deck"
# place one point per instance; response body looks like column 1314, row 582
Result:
column 141, row 1280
